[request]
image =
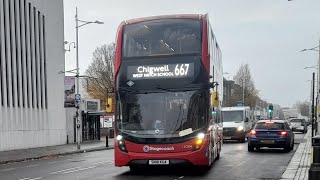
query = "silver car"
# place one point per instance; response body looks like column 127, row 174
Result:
column 299, row 125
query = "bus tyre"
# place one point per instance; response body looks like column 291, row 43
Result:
column 250, row 148
column 219, row 150
column 134, row 168
column 204, row 169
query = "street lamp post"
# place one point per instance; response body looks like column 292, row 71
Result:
column 317, row 79
column 243, row 92
column 77, row 69
column 317, row 48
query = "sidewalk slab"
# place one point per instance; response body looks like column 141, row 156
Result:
column 42, row 152
column 299, row 165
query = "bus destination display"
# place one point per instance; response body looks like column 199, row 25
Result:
column 181, row 70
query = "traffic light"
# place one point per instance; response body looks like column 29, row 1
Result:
column 109, row 105
column 270, row 108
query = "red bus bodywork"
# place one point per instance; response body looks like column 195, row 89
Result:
column 180, row 152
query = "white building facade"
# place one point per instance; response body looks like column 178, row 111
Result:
column 31, row 88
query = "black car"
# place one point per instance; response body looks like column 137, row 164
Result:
column 271, row 134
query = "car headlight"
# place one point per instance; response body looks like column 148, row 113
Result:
column 240, row 128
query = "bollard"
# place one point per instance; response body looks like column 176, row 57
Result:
column 107, row 140
column 314, row 171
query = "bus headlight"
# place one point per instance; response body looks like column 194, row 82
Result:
column 121, row 144
column 199, row 141
column 240, row 128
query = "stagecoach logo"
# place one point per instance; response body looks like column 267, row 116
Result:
column 147, row 148
column 130, row 83
column 157, row 131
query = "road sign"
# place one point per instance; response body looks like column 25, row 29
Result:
column 77, row 97
column 240, row 103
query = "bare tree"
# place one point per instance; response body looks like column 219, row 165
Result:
column 304, row 107
column 100, row 74
column 245, row 86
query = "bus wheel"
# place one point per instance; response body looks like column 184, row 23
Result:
column 134, row 168
column 219, row 151
column 204, row 169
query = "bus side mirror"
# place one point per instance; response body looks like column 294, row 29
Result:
column 214, row 99
column 109, row 105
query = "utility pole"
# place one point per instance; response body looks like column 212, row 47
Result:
column 77, row 76
column 77, row 96
column 243, row 92
column 312, row 105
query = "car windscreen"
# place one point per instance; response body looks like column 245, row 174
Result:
column 269, row 126
column 232, row 116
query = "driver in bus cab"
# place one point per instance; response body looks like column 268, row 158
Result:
column 134, row 121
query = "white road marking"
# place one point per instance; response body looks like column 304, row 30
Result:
column 56, row 172
column 34, row 165
column 31, row 179
column 181, row 177
column 36, row 178
column 79, row 170
column 52, row 162
column 9, row 169
column 103, row 162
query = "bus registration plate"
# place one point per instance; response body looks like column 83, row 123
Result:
column 158, row 162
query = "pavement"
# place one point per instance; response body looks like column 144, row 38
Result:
column 298, row 168
column 44, row 152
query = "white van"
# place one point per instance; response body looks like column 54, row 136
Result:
column 237, row 122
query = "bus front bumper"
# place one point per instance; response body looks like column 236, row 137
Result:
column 197, row 158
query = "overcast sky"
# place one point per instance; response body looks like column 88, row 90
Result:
column 266, row 34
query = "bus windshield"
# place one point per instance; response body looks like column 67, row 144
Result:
column 232, row 116
column 163, row 114
column 162, row 37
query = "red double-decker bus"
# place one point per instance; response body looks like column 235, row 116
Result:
column 168, row 89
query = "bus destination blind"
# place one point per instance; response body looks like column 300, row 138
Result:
column 158, row 71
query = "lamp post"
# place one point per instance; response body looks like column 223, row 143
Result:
column 317, row 79
column 317, row 48
column 69, row 49
column 77, row 64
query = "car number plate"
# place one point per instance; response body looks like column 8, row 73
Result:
column 267, row 141
column 158, row 162
column 226, row 137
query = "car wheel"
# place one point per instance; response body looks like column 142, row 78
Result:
column 287, row 147
column 292, row 146
column 250, row 148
